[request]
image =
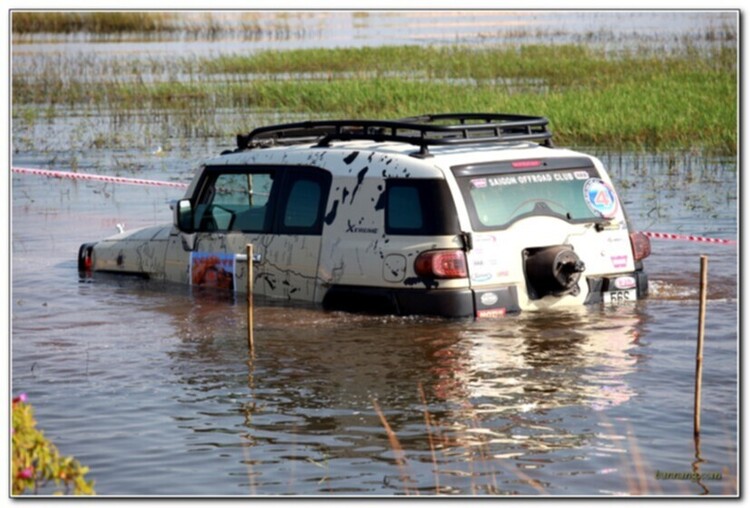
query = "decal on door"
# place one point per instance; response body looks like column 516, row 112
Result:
column 210, row 269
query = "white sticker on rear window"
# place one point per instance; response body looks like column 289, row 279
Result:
column 600, row 198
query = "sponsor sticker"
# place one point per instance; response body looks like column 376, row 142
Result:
column 479, row 183
column 600, row 198
column 481, row 277
column 491, row 313
column 211, row 269
column 626, row 282
column 488, row 299
column 619, row 261
column 484, row 239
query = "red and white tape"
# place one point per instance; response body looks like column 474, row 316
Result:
column 98, row 178
column 688, row 238
column 178, row 185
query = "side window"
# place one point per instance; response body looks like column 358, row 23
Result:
column 302, row 207
column 303, row 202
column 404, row 209
column 419, row 207
column 235, row 201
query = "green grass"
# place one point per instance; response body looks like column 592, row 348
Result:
column 91, row 22
column 686, row 100
column 109, row 24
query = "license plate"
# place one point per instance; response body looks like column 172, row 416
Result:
column 618, row 297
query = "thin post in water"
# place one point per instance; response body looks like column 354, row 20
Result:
column 699, row 350
column 250, row 296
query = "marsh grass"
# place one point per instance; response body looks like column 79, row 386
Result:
column 164, row 25
column 104, row 23
column 92, row 22
column 637, row 100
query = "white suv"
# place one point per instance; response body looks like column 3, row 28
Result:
column 452, row 215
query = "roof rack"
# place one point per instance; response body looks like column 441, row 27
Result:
column 421, row 131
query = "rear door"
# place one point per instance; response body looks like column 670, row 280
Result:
column 520, row 207
column 288, row 267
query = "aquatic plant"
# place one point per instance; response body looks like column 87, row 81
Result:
column 36, row 461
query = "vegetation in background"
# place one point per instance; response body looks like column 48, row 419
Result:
column 93, row 22
column 110, row 24
column 36, row 461
column 642, row 99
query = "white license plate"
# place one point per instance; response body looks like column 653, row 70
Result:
column 621, row 296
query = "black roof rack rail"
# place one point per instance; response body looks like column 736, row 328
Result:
column 421, row 131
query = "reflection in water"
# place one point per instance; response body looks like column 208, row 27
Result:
column 495, row 394
column 514, row 379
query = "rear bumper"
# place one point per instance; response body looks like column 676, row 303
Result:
column 453, row 303
column 459, row 303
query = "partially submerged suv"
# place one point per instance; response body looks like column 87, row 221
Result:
column 452, row 215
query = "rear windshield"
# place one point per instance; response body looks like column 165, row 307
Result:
column 574, row 195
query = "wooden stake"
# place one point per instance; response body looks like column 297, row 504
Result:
column 699, row 351
column 250, row 297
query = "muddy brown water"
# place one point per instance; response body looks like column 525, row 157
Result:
column 153, row 388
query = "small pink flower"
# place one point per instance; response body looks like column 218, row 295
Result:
column 26, row 473
column 21, row 398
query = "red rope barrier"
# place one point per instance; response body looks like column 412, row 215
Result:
column 688, row 238
column 98, row 178
column 178, row 185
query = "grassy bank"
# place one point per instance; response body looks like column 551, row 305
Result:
column 686, row 100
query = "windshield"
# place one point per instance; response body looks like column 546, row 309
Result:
column 575, row 195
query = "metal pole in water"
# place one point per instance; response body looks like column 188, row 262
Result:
column 250, row 296
column 699, row 351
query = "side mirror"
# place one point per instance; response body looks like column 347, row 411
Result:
column 183, row 216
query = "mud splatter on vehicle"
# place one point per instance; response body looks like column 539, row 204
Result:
column 454, row 215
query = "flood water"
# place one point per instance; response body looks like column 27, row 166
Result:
column 154, row 389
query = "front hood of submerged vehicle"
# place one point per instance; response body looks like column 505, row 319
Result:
column 142, row 234
column 140, row 251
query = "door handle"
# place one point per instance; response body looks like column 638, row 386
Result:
column 257, row 257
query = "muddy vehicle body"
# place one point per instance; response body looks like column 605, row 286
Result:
column 454, row 215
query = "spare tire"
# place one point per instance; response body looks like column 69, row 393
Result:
column 553, row 270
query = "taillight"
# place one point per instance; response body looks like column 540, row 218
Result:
column 441, row 264
column 86, row 258
column 641, row 245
